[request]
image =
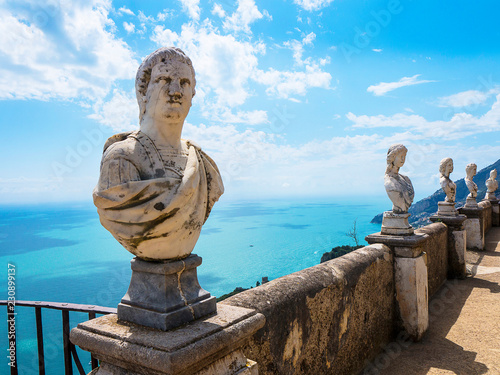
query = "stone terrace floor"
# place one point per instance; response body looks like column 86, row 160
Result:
column 464, row 332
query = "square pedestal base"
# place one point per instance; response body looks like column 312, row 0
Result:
column 474, row 227
column 396, row 224
column 206, row 346
column 165, row 295
column 470, row 203
column 447, row 209
column 457, row 240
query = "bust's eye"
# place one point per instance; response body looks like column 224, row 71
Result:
column 166, row 79
column 185, row 81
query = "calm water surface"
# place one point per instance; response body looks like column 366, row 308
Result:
column 62, row 253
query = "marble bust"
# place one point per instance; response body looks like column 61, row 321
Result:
column 492, row 185
column 156, row 190
column 470, row 171
column 400, row 191
column 447, row 207
column 398, row 187
column 448, row 186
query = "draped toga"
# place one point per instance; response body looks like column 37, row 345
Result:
column 153, row 213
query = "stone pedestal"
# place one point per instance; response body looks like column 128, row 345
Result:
column 474, row 227
column 447, row 209
column 210, row 346
column 165, row 295
column 457, row 239
column 470, row 203
column 495, row 212
column 410, row 272
column 396, row 224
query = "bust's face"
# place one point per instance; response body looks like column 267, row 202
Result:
column 448, row 169
column 169, row 93
column 471, row 172
column 400, row 159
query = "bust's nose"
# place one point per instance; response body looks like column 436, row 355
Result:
column 174, row 89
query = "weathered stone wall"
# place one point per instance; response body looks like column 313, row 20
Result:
column 436, row 248
column 330, row 318
column 487, row 215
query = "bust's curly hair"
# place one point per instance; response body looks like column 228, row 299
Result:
column 143, row 76
column 394, row 151
column 444, row 163
column 469, row 168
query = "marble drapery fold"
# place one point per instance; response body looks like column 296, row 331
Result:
column 145, row 207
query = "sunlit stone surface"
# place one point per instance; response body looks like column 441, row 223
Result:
column 400, row 191
column 492, row 185
column 447, row 207
column 471, row 170
column 155, row 189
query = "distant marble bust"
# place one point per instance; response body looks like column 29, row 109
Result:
column 398, row 187
column 449, row 187
column 492, row 185
column 156, row 190
column 471, row 170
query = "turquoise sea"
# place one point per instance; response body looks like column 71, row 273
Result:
column 61, row 253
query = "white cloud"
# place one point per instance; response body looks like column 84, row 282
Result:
column 461, row 125
column 309, row 38
column 246, row 13
column 162, row 16
column 218, row 10
column 223, row 64
column 286, row 83
column 311, row 5
column 129, row 27
column 467, row 98
column 227, row 69
column 120, row 112
column 377, row 49
column 125, row 10
column 145, row 19
column 383, row 88
column 66, row 52
column 297, row 47
column 192, row 8
column 255, row 117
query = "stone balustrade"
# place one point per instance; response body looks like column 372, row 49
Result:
column 334, row 317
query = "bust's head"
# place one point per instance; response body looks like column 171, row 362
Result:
column 165, row 84
column 396, row 155
column 446, row 167
column 493, row 174
column 471, row 170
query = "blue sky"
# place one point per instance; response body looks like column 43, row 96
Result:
column 294, row 97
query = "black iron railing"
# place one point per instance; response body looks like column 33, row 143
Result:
column 70, row 353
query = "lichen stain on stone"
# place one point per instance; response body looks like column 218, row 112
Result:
column 344, row 322
column 293, row 344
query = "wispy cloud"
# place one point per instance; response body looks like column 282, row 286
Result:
column 246, row 13
column 192, row 8
column 129, row 27
column 311, row 5
column 86, row 56
column 383, row 88
column 377, row 49
column 467, row 98
column 226, row 65
column 460, row 126
column 125, row 10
